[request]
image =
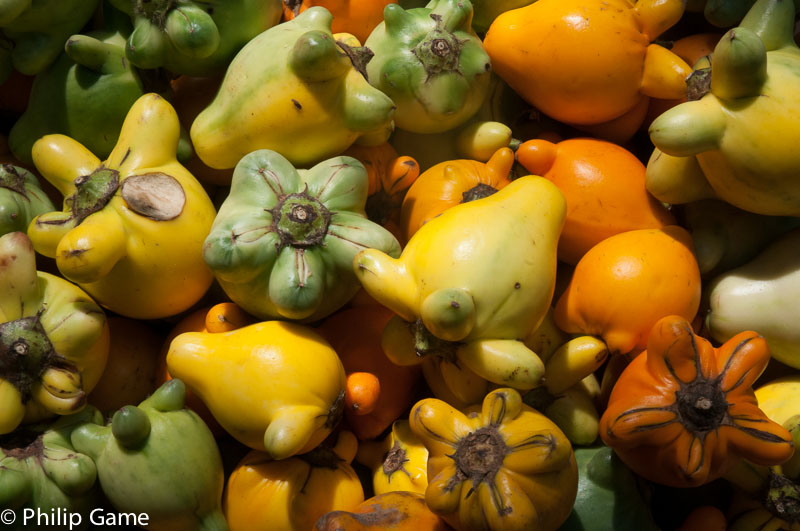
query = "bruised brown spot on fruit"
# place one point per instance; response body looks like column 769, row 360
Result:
column 74, row 253
column 297, row 105
column 157, row 196
column 380, row 516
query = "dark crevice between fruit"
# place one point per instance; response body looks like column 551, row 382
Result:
column 293, row 6
column 427, row 344
column 782, row 498
column 154, row 10
column 22, row 444
column 379, row 207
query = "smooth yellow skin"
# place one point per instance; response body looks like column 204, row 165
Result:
column 481, row 274
column 131, row 264
column 247, row 115
column 274, row 386
column 405, row 447
column 573, row 361
column 745, row 145
column 779, row 398
column 536, row 484
column 291, row 495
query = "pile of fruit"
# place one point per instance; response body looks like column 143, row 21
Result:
column 415, row 265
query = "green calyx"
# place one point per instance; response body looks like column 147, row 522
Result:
column 25, row 353
column 783, row 498
column 300, row 220
column 539, row 398
column 439, row 51
column 93, row 192
column 11, row 179
column 323, row 456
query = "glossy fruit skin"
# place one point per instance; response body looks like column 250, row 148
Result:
column 193, row 38
column 325, row 101
column 604, row 185
column 361, row 352
column 21, row 199
column 39, row 29
column 390, row 175
column 398, row 510
column 47, row 369
column 452, row 183
column 778, row 398
column 464, row 331
column 691, row 49
column 85, row 94
column 623, row 285
column 284, row 240
column 760, row 296
column 134, row 242
column 719, row 145
column 683, row 412
column 540, row 50
column 610, row 496
column 532, row 475
column 431, row 63
column 292, row 494
column 357, row 17
column 226, row 370
column 222, row 317
column 47, row 473
column 158, row 458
